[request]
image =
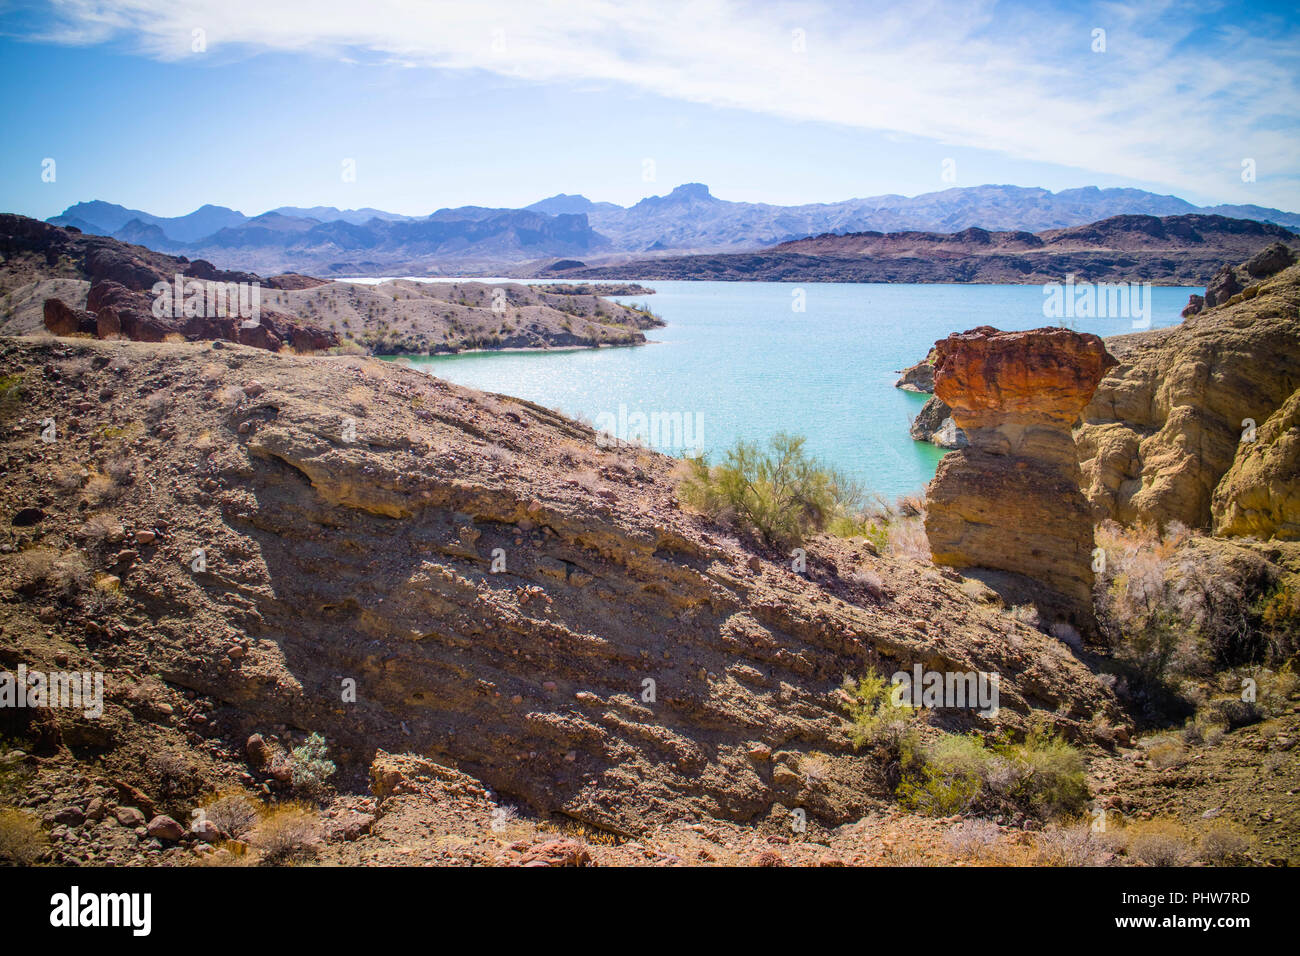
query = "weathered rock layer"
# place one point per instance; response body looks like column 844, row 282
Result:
column 1200, row 404
column 1011, row 501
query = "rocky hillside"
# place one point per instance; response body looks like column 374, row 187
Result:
column 1174, row 250
column 500, row 594
column 71, row 283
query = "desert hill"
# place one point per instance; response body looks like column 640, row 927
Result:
column 1173, row 250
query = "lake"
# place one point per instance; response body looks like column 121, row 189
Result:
column 737, row 361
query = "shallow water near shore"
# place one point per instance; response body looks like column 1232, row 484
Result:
column 736, row 359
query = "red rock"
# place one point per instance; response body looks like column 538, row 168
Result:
column 165, row 828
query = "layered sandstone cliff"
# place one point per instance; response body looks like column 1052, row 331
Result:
column 1011, row 501
column 1192, row 424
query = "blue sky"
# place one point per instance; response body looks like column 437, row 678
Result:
column 503, row 103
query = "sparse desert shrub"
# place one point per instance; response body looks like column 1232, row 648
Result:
column 121, row 469
column 1279, row 614
column 174, row 774
column 911, row 506
column 907, row 539
column 1026, row 614
column 972, row 838
column 1067, row 634
column 1055, row 780
column 68, row 479
column 11, row 393
column 287, row 833
column 1224, row 843
column 101, row 489
column 876, row 718
column 1166, row 752
column 777, row 491
column 1070, row 845
column 1138, row 609
column 102, row 529
column 1176, row 605
column 1160, row 842
column 103, row 596
column 870, row 582
column 1043, row 775
column 22, row 841
column 311, row 766
column 589, row 482
column 156, row 406
column 44, row 569
column 233, row 812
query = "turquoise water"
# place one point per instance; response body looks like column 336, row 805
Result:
column 741, row 363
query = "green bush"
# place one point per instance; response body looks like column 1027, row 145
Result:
column 1043, row 776
column 777, row 491
column 311, row 765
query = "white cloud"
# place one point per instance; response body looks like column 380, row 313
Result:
column 1170, row 101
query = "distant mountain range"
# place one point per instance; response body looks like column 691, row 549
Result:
column 324, row 240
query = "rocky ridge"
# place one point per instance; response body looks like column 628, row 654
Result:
column 74, row 284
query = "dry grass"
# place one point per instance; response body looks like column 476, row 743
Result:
column 1159, row 842
column 234, row 812
column 44, row 569
column 907, row 540
column 287, row 833
column 102, row 529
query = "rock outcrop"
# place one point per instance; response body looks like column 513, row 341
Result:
column 1260, row 494
column 63, row 319
column 1177, row 414
column 934, row 423
column 1011, row 501
column 918, row 377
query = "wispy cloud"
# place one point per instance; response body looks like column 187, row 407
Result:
column 1178, row 97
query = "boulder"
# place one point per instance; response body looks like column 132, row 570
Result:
column 165, row 828
column 61, row 319
column 934, row 423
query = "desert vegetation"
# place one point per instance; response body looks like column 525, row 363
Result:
column 780, row 494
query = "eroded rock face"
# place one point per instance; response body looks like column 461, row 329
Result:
column 116, row 310
column 918, row 377
column 1011, row 500
column 1166, row 426
column 1260, row 494
column 934, row 424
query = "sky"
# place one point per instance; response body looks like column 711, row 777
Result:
column 164, row 105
